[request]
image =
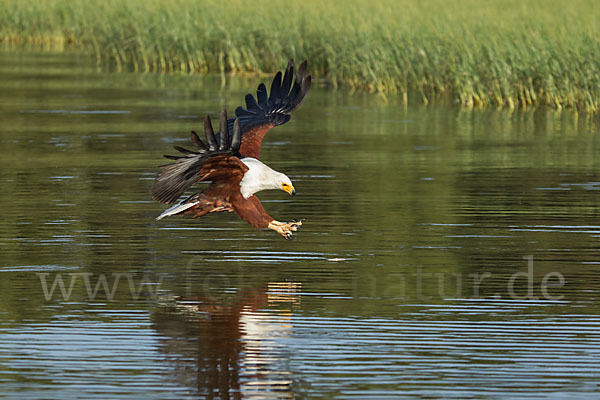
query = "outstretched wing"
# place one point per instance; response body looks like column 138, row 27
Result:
column 270, row 110
column 215, row 161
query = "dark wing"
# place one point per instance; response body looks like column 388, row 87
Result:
column 214, row 161
column 268, row 111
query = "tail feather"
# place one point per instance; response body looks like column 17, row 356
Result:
column 178, row 208
column 197, row 205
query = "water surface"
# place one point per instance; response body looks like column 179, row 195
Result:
column 446, row 253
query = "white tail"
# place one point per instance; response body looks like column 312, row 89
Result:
column 177, row 208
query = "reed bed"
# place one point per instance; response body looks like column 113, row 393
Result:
column 481, row 53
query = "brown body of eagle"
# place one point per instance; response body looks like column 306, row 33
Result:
column 230, row 159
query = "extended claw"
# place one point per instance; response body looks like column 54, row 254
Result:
column 286, row 229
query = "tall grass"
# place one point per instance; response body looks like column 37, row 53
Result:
column 498, row 53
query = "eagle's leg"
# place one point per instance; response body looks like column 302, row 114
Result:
column 251, row 211
column 285, row 229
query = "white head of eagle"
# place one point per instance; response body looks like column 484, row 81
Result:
column 261, row 177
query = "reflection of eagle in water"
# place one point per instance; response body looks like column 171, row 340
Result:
column 230, row 160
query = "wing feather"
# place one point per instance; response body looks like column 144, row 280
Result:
column 261, row 95
column 210, row 134
column 197, row 142
column 272, row 108
column 251, row 105
column 210, row 163
column 275, row 89
column 287, row 78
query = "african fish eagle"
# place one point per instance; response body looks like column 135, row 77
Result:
column 230, row 160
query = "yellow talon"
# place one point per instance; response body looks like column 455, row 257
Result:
column 285, row 229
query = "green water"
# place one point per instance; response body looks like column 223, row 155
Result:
column 446, row 253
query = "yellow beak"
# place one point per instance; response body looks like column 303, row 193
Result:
column 289, row 189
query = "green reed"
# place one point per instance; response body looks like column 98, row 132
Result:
column 482, row 53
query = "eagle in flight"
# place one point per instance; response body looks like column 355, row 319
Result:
column 230, row 160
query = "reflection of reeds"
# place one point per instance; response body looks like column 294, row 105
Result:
column 503, row 53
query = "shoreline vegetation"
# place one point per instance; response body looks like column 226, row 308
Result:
column 480, row 53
